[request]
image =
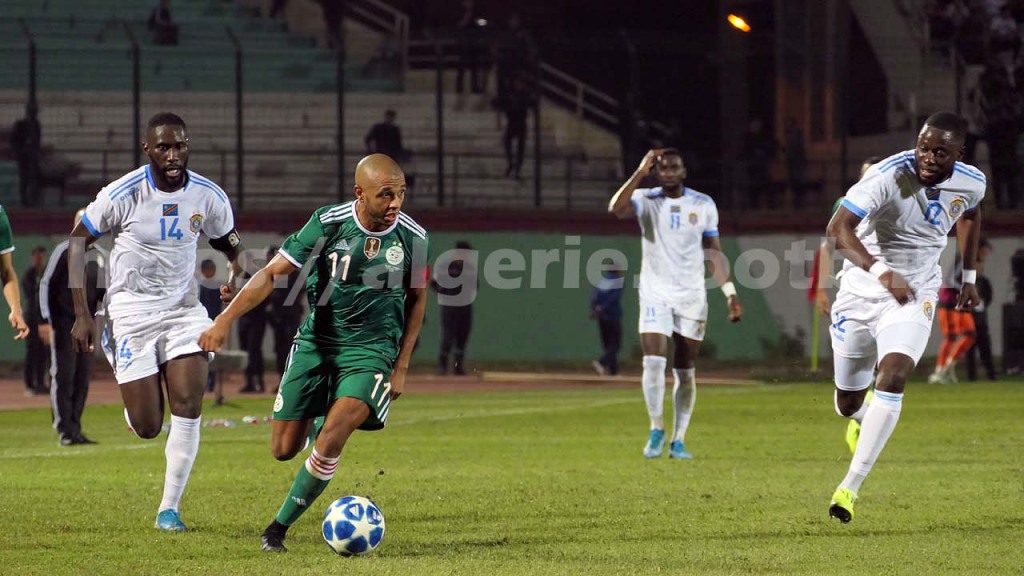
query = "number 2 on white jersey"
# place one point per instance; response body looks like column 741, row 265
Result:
column 345, row 261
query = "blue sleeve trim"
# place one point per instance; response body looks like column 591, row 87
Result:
column 860, row 212
column 92, row 229
column 711, row 233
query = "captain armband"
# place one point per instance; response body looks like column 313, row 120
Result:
column 227, row 242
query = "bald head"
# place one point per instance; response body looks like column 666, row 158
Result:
column 380, row 189
column 375, row 169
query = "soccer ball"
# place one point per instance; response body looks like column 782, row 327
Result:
column 353, row 526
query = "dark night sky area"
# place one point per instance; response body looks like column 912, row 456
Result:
column 676, row 40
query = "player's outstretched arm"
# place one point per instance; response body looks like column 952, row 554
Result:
column 415, row 307
column 255, row 291
column 9, row 278
column 81, row 332
column 968, row 235
column 621, row 204
column 720, row 273
column 842, row 229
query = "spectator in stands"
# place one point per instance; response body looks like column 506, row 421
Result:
column 1004, row 42
column 26, row 144
column 470, row 56
column 209, row 297
column 759, row 150
column 456, row 282
column 36, row 354
column 162, row 25
column 284, row 313
column 277, row 8
column 333, row 11
column 796, row 158
column 1003, row 108
column 386, row 138
column 983, row 342
column 516, row 105
column 515, row 54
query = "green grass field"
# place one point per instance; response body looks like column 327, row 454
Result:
column 539, row 483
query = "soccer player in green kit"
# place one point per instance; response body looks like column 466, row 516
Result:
column 367, row 274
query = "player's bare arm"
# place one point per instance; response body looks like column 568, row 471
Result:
column 415, row 307
column 81, row 331
column 621, row 204
column 968, row 235
column 254, row 292
column 720, row 273
column 231, row 246
column 9, row 279
column 842, row 229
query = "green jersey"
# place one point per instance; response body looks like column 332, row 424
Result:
column 6, row 236
column 356, row 279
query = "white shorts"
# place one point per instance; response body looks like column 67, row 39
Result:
column 689, row 320
column 136, row 346
column 875, row 327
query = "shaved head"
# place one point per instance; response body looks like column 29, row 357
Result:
column 380, row 190
column 376, row 168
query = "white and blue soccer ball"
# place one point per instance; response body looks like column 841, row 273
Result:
column 353, row 526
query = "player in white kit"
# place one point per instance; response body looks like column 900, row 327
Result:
column 677, row 224
column 157, row 213
column 891, row 230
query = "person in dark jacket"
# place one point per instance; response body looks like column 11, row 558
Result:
column 456, row 283
column 35, row 348
column 70, row 371
column 606, row 308
column 209, row 297
column 284, row 313
column 983, row 340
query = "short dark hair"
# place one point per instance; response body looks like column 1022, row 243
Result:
column 165, row 119
column 207, row 264
column 38, row 249
column 949, row 122
column 672, row 152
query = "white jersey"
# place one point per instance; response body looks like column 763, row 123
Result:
column 672, row 268
column 905, row 223
column 153, row 263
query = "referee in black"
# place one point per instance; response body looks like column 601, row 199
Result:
column 70, row 371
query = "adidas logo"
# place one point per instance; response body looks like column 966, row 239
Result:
column 342, row 246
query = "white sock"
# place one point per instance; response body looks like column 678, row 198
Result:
column 654, row 389
column 182, row 447
column 879, row 422
column 684, row 394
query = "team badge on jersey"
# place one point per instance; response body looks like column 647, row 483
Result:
column 170, row 209
column 693, row 218
column 371, row 247
column 195, row 223
column 394, row 255
column 928, row 309
column 957, row 207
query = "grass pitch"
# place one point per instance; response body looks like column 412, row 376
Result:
column 537, row 483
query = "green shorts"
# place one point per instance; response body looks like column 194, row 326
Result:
column 315, row 377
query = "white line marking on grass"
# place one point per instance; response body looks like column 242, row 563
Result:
column 71, row 452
